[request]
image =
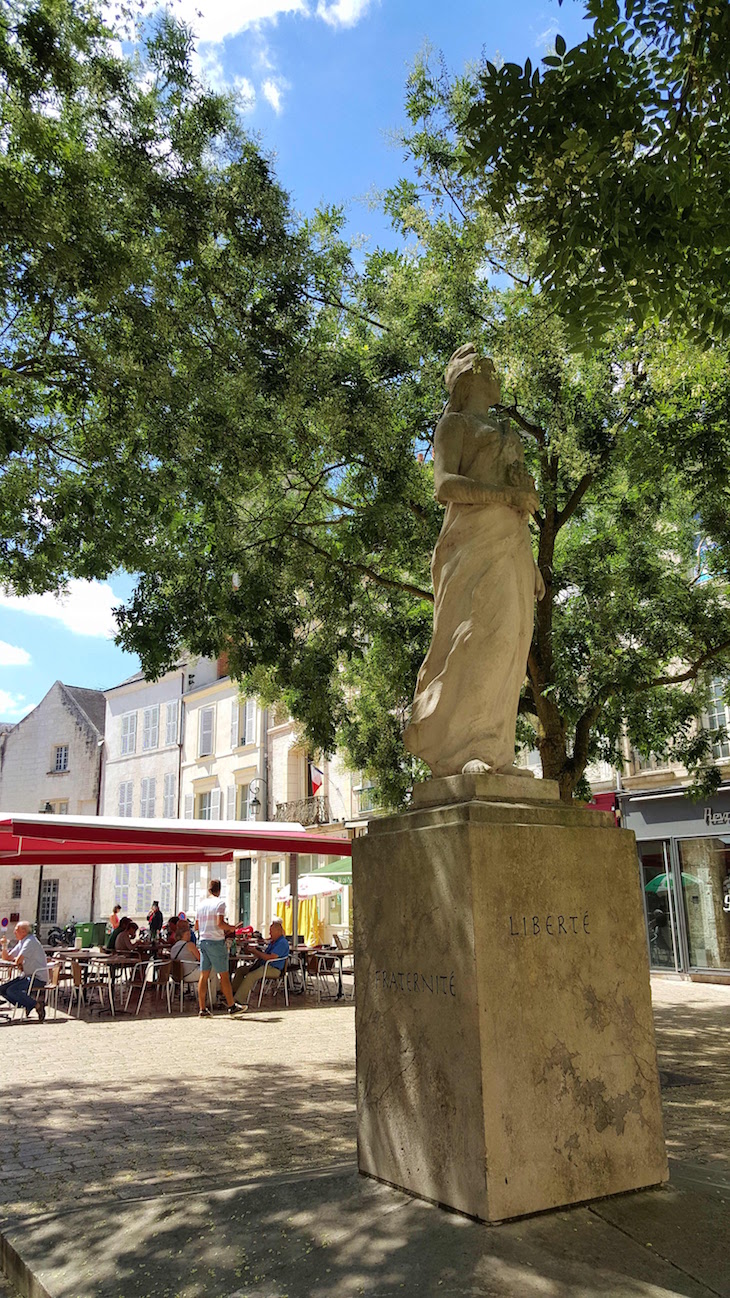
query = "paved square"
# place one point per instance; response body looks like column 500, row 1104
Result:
column 173, row 1157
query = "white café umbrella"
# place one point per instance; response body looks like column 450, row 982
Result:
column 310, row 885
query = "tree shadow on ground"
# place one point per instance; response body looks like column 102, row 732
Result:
column 189, row 1192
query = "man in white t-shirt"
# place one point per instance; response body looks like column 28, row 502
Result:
column 30, row 958
column 212, row 929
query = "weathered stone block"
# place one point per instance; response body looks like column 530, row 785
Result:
column 505, row 1045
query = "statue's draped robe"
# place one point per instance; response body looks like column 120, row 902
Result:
column 465, row 705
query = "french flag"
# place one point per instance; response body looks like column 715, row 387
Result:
column 316, row 776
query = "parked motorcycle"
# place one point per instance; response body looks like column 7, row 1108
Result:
column 58, row 936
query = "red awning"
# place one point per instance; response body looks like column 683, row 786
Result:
column 79, row 840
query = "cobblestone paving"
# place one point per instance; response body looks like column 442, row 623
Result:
column 128, row 1108
column 693, row 1040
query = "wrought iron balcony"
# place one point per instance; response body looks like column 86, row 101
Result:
column 308, row 811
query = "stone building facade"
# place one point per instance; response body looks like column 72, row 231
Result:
column 145, row 723
column 51, row 761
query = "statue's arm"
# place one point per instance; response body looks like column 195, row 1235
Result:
column 449, row 483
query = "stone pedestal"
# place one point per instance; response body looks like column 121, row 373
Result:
column 505, row 1046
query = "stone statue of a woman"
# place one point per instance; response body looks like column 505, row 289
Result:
column 485, row 582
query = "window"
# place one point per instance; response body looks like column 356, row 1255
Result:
column 147, row 798
column 129, row 733
column 166, row 889
column 243, row 723
column 209, row 805
column 244, row 890
column 17, row 889
column 151, row 727
column 221, row 872
column 60, row 757
column 245, row 811
column 121, row 887
column 717, row 718
column 144, row 888
column 49, row 901
column 54, row 808
column 367, row 795
column 171, row 712
column 168, row 797
column 205, row 732
column 196, row 891
column 125, row 798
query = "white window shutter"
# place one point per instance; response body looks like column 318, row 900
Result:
column 215, row 804
column 189, row 806
column 250, row 723
column 205, row 746
column 168, row 804
column 171, row 723
column 231, row 802
column 133, row 733
column 235, row 711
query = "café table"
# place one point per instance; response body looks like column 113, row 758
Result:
column 331, row 953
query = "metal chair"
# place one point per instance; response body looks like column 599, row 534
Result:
column 52, row 987
column 77, row 988
column 274, row 984
column 155, row 975
column 326, row 970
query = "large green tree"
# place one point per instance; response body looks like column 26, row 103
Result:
column 617, row 153
column 152, row 295
column 332, row 607
column 230, row 407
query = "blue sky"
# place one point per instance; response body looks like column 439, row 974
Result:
column 321, row 83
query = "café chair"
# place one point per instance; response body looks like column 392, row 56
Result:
column 274, row 985
column 77, row 989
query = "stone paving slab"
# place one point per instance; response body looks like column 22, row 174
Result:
column 334, row 1234
column 142, row 1158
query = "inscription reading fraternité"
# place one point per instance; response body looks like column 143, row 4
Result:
column 433, row 984
column 549, row 925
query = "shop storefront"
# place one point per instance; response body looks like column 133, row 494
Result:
column 684, row 862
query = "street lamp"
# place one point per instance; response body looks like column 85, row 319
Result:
column 254, row 802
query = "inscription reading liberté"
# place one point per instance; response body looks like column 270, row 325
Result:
column 548, row 925
column 392, row 980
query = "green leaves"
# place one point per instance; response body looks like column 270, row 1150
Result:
column 619, row 160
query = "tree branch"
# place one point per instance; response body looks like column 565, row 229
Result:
column 533, row 429
column 388, row 582
column 343, row 306
column 692, row 672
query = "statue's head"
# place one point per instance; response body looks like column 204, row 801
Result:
column 467, row 367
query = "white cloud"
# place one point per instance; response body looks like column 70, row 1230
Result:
column 12, row 706
column 13, row 656
column 85, row 608
column 215, row 20
column 546, row 39
column 342, row 13
column 272, row 92
column 245, row 94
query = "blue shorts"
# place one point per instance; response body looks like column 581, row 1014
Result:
column 214, row 955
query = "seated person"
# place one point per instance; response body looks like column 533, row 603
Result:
column 115, row 936
column 125, row 940
column 269, row 964
column 29, row 958
column 170, row 929
column 185, row 950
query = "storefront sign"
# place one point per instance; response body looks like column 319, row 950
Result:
column 716, row 817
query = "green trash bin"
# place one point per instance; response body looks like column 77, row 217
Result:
column 99, row 933
column 86, row 933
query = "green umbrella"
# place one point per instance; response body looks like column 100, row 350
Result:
column 659, row 882
column 339, row 869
